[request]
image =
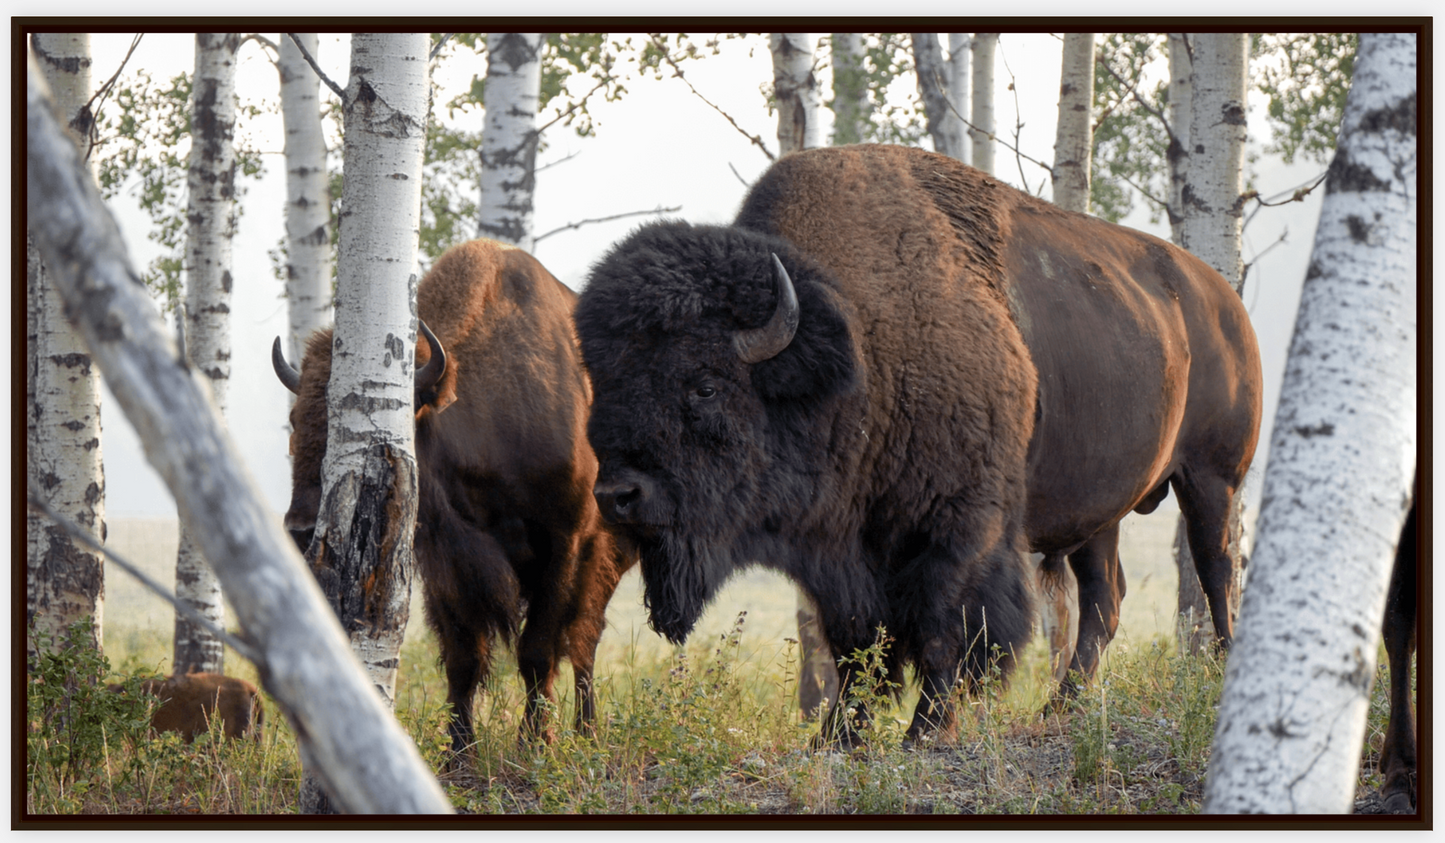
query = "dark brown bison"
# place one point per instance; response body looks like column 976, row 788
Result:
column 1398, row 766
column 860, row 423
column 188, row 704
column 954, row 338
column 506, row 522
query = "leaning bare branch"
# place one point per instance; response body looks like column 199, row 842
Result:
column 572, row 225
column 36, row 500
column 564, row 159
column 438, row 48
column 264, row 42
column 1244, row 276
column 306, row 54
column 1019, row 128
column 736, row 173
column 97, row 99
column 1295, row 194
column 1005, row 143
column 678, row 72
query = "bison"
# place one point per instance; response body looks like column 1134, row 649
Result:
column 890, row 377
column 1398, row 767
column 506, row 523
column 189, row 702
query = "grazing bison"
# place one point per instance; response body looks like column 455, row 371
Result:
column 952, row 338
column 189, row 702
column 506, row 523
column 1402, row 607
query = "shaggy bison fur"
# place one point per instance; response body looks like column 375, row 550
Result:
column 509, row 545
column 189, row 703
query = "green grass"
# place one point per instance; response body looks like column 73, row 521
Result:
column 710, row 727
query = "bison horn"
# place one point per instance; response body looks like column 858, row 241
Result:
column 759, row 344
column 290, row 378
column 436, row 366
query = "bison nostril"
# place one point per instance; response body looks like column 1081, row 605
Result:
column 624, row 499
column 617, row 500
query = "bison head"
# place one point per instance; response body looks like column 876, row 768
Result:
column 717, row 356
column 434, row 390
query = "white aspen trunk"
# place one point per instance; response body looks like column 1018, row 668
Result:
column 1212, row 197
column 960, row 51
column 308, row 198
column 342, row 731
column 362, row 551
column 64, row 582
column 850, row 89
column 1181, row 95
column 210, row 212
column 796, row 91
column 984, row 46
column 1338, row 485
column 1074, row 143
column 509, row 141
column 934, row 78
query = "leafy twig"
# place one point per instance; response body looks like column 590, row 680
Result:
column 574, row 106
column 306, row 54
column 678, row 72
column 571, row 225
column 37, row 501
column 102, row 93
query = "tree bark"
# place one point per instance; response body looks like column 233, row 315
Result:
column 367, row 761
column 960, row 51
column 1075, row 138
column 308, row 198
column 1181, row 95
column 934, row 86
column 362, row 550
column 796, row 90
column 1212, row 198
column 1338, row 485
column 210, row 212
column 850, row 89
column 64, row 582
column 984, row 46
column 509, row 141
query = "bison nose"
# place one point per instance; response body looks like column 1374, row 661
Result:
column 619, row 500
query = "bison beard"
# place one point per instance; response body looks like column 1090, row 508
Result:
column 874, row 453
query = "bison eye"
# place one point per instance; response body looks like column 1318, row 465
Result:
column 704, row 392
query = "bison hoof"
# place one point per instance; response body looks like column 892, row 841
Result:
column 1398, row 802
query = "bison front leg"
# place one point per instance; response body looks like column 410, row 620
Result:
column 465, row 658
column 847, row 717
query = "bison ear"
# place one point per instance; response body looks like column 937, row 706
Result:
column 819, row 362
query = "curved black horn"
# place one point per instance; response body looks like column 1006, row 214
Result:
column 436, row 366
column 290, row 378
column 759, row 344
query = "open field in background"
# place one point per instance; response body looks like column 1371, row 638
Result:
column 134, row 615
column 711, row 727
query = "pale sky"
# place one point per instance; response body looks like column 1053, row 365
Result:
column 659, row 146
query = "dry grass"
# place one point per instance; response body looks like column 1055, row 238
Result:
column 712, row 727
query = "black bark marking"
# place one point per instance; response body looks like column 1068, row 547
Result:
column 1359, row 229
column 1323, row 429
column 1345, row 176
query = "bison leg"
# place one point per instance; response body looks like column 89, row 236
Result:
column 1397, row 757
column 1101, row 590
column 599, row 579
column 1205, row 500
column 843, row 725
column 465, row 658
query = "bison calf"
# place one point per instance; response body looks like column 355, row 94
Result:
column 189, row 703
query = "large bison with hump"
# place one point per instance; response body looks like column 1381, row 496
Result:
column 935, row 374
column 506, row 523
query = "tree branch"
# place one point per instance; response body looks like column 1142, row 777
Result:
column 92, row 136
column 306, row 54
column 438, row 48
column 678, row 71
column 573, row 107
column 264, row 42
column 1005, row 143
column 572, row 225
column 1019, row 127
column 736, row 173
column 1133, row 91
